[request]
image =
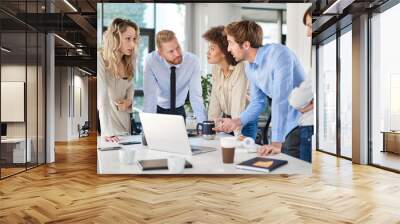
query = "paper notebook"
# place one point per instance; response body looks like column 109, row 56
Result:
column 261, row 164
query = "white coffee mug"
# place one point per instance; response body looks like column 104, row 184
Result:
column 127, row 156
column 176, row 164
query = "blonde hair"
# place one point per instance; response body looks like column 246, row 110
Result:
column 112, row 43
column 164, row 36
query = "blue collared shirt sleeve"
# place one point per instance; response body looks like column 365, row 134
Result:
column 281, row 87
column 196, row 94
column 149, row 88
column 256, row 106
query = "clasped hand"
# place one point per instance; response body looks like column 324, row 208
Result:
column 123, row 105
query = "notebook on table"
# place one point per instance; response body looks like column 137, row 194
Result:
column 261, row 164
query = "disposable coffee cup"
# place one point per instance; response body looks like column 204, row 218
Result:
column 127, row 156
column 228, row 145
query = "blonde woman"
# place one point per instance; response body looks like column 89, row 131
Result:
column 116, row 64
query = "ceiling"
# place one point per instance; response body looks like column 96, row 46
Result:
column 333, row 15
column 73, row 20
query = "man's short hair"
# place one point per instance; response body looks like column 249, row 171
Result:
column 246, row 31
column 164, row 36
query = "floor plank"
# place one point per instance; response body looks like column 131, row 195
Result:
column 70, row 191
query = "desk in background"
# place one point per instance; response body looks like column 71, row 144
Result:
column 13, row 150
column 206, row 163
column 391, row 141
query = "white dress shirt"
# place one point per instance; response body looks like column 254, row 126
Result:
column 156, row 86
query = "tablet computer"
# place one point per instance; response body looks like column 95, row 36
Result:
column 157, row 164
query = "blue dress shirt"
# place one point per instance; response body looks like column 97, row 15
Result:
column 156, row 84
column 275, row 72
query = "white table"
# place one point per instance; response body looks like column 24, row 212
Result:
column 19, row 154
column 206, row 163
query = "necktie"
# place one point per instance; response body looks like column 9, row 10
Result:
column 173, row 90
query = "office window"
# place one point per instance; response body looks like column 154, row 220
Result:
column 327, row 97
column 346, row 94
column 385, row 88
column 271, row 32
column 141, row 14
column 22, row 92
column 172, row 17
column 13, row 82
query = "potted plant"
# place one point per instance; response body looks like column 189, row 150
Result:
column 206, row 86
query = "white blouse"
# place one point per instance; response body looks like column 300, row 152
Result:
column 109, row 90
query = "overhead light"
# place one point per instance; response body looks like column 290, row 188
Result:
column 5, row 50
column 70, row 5
column 64, row 40
column 84, row 71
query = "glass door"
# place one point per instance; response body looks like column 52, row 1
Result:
column 327, row 96
column 346, row 93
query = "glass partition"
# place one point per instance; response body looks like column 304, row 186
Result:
column 327, row 97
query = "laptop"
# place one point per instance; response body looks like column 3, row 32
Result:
column 165, row 132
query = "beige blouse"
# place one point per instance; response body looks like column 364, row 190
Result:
column 228, row 94
column 109, row 90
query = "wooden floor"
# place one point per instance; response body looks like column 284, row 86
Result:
column 387, row 159
column 70, row 191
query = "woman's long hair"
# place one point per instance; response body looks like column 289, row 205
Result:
column 110, row 52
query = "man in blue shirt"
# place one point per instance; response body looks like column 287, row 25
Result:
column 169, row 75
column 273, row 71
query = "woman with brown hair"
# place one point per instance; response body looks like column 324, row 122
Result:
column 229, row 83
column 116, row 63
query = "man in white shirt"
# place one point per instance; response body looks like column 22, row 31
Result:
column 169, row 75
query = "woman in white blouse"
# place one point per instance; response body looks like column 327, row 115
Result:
column 229, row 83
column 116, row 64
column 302, row 98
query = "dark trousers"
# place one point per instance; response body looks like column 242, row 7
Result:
column 306, row 133
column 179, row 111
column 291, row 146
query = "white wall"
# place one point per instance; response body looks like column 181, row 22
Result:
column 296, row 38
column 61, row 105
column 67, row 116
column 203, row 16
